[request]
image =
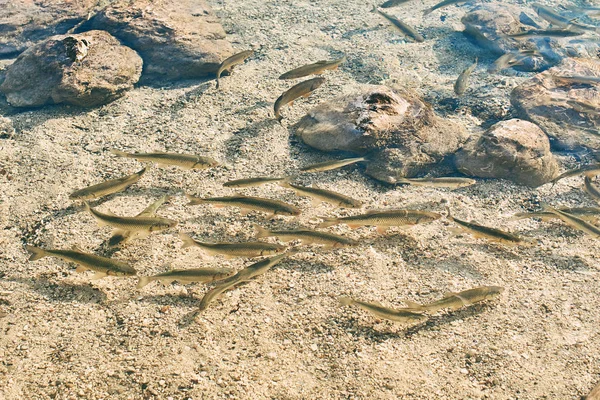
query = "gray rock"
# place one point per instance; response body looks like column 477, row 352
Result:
column 516, row 150
column 24, row 23
column 176, row 38
column 86, row 70
column 559, row 107
column 400, row 132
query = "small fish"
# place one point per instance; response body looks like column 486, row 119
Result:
column 401, row 26
column 591, row 189
column 527, row 20
column 546, row 33
column 302, row 89
column 232, row 61
column 399, row 315
column 558, row 20
column 229, row 250
column 203, row 275
column 590, row 80
column 511, row 59
column 248, row 182
column 329, row 165
column 449, row 182
column 307, row 236
column 583, row 107
column 492, row 234
column 122, row 237
column 244, row 275
column 145, row 224
column 574, row 221
column 313, row 69
column 107, row 187
column 185, row 161
column 590, row 214
column 461, row 84
column 589, row 170
column 383, row 219
column 274, row 207
column 102, row 266
column 392, row 3
column 454, row 301
column 337, row 199
column 442, row 4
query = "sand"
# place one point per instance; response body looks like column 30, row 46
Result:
column 283, row 335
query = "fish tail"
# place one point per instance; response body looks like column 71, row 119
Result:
column 449, row 215
column 187, row 240
column 546, row 207
column 143, row 281
column 428, row 11
column 327, row 222
column 345, row 300
column 194, row 200
column 414, row 306
column 518, row 216
column 374, row 9
column 286, row 182
column 36, row 252
column 120, row 153
column 261, row 232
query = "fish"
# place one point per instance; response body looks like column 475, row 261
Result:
column 244, row 275
column 558, row 20
column 313, row 69
column 302, row 89
column 511, row 59
column 454, row 301
column 590, row 80
column 442, row 4
column 203, row 275
column 527, row 20
column 492, row 234
column 574, row 221
column 102, row 266
column 144, row 224
column 383, row 219
column 330, row 165
column 399, row 315
column 107, row 187
column 248, row 182
column 591, row 189
column 337, row 199
column 122, row 237
column 307, row 236
column 229, row 63
column 590, row 214
column 449, row 182
column 271, row 206
column 583, row 107
column 229, row 250
column 185, row 161
column 392, row 3
column 401, row 26
column 546, row 33
column 589, row 170
column 461, row 84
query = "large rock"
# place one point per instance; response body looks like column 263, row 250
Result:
column 86, row 70
column 24, row 23
column 400, row 132
column 176, row 38
column 516, row 150
column 558, row 107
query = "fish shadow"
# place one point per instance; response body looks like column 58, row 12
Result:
column 453, row 265
column 63, row 292
column 357, row 328
column 436, row 321
column 306, row 265
column 236, row 140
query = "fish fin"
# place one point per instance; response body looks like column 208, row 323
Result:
column 142, row 234
column 108, row 212
column 143, row 281
column 327, row 221
column 244, row 212
column 120, row 153
column 76, row 248
column 187, row 240
column 382, row 229
column 345, row 300
column 353, row 226
column 306, row 95
column 315, row 202
column 291, row 103
column 450, row 294
column 261, row 232
column 454, row 230
column 448, row 214
column 98, row 275
column 412, row 304
column 118, row 233
column 194, row 201
column 36, row 252
column 428, row 11
column 286, row 182
column 81, row 269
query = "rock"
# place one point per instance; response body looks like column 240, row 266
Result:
column 86, row 70
column 516, row 150
column 24, row 23
column 400, row 132
column 559, row 107
column 6, row 127
column 176, row 38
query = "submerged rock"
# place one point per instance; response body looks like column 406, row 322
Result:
column 176, row 38
column 400, row 133
column 86, row 70
column 569, row 113
column 6, row 127
column 516, row 150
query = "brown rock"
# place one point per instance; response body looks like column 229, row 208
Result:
column 559, row 107
column 176, row 38
column 516, row 150
column 86, row 70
